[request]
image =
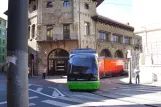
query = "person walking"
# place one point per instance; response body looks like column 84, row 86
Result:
column 44, row 73
column 137, row 76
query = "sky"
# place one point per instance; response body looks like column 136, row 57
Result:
column 146, row 13
column 139, row 13
column 3, row 8
column 119, row 10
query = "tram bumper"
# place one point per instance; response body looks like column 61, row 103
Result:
column 83, row 85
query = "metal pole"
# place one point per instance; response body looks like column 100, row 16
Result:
column 17, row 46
column 145, row 38
column 130, row 76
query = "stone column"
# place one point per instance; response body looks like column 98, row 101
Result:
column 110, row 36
column 123, row 39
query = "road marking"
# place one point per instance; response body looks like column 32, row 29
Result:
column 57, row 91
column 32, row 104
column 30, row 98
column 36, row 85
column 43, row 94
column 39, row 89
column 55, row 103
column 71, row 99
column 55, row 94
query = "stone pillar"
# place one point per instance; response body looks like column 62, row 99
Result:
column 132, row 41
column 110, row 37
column 123, row 39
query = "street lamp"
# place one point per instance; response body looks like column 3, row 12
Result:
column 145, row 30
column 129, row 56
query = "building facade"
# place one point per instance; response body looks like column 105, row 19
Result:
column 151, row 46
column 56, row 27
column 150, row 60
column 2, row 41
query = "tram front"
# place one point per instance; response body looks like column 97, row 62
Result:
column 83, row 73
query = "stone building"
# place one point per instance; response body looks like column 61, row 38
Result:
column 58, row 26
column 3, row 39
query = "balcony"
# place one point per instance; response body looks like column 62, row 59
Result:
column 103, row 40
column 56, row 37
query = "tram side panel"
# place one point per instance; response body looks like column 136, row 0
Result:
column 101, row 67
column 111, row 67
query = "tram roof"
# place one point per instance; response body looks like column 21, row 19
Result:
column 84, row 54
column 76, row 51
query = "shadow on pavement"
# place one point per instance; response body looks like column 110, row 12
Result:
column 135, row 95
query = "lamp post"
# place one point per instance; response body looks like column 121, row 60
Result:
column 145, row 30
column 17, row 53
column 79, row 39
column 129, row 56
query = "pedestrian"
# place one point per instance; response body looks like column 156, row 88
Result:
column 44, row 73
column 137, row 76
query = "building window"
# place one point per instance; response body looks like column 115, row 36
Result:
column 3, row 50
column 3, row 33
column 87, row 28
column 103, row 36
column 49, row 4
column 0, row 22
column 34, row 8
column 3, row 41
column 127, row 40
column 66, row 31
column 116, row 38
column 3, row 58
column 33, row 31
column 4, row 23
column 0, row 32
column 86, row 6
column 66, row 3
column 137, row 41
column 50, row 32
column 29, row 32
column 31, row 1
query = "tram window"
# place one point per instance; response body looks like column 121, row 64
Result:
column 83, row 65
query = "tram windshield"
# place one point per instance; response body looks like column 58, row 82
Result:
column 82, row 64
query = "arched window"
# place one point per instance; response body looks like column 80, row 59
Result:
column 119, row 54
column 105, row 53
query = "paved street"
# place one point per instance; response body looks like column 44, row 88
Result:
column 53, row 92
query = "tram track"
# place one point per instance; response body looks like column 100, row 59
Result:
column 122, row 98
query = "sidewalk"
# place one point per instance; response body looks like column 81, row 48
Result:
column 144, row 80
